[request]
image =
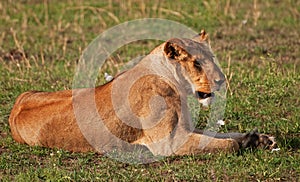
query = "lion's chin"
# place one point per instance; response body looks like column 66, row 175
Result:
column 204, row 98
column 205, row 102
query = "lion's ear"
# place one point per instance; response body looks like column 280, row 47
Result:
column 174, row 51
column 202, row 37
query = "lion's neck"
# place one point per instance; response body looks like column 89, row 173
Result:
column 157, row 63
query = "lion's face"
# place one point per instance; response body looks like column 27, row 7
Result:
column 199, row 68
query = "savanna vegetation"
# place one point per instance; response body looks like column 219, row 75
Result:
column 256, row 42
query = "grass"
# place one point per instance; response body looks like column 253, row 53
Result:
column 257, row 44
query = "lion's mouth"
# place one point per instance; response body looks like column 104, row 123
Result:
column 203, row 95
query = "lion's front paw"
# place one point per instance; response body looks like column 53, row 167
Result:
column 254, row 139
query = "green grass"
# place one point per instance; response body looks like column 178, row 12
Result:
column 260, row 59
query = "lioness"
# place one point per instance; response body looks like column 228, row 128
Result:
column 153, row 114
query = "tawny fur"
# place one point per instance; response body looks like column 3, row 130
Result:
column 47, row 118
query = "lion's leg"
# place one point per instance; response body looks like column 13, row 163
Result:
column 199, row 143
column 251, row 139
column 13, row 118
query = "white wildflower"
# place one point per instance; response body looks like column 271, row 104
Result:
column 221, row 122
column 108, row 77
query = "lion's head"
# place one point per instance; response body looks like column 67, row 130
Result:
column 198, row 63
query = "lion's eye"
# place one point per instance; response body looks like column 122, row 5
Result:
column 197, row 64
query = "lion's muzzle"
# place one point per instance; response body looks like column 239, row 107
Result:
column 203, row 95
column 204, row 98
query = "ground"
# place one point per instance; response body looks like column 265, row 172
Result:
column 256, row 43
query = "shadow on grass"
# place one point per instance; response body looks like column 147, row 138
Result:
column 290, row 141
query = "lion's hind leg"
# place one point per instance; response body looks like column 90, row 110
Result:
column 14, row 121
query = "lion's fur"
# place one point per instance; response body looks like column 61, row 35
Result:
column 48, row 118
